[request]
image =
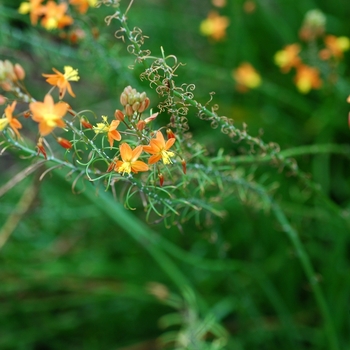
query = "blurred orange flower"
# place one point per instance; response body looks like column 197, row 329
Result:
column 159, row 149
column 10, row 120
column 34, row 8
column 307, row 78
column 83, row 5
column 214, row 26
column 62, row 80
column 55, row 16
column 246, row 77
column 288, row 57
column 335, row 47
column 48, row 114
column 129, row 162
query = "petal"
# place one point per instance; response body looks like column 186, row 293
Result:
column 138, row 166
column 136, row 153
column 160, row 137
column 149, row 149
column 154, row 159
column 169, row 143
column 125, row 152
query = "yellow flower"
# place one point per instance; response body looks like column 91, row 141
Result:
column 159, row 149
column 83, row 5
column 214, row 26
column 62, row 80
column 109, row 129
column 129, row 162
column 48, row 114
column 10, row 120
column 307, row 78
column 246, row 77
column 288, row 57
column 55, row 16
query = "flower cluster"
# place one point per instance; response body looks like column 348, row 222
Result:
column 308, row 76
column 53, row 15
column 140, row 148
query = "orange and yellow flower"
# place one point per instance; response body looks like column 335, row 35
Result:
column 48, row 114
column 62, row 80
column 307, row 78
column 214, row 26
column 246, row 77
column 10, row 120
column 55, row 16
column 83, row 5
column 129, row 162
column 335, row 47
column 33, row 7
column 159, row 149
column 109, row 129
column 288, row 57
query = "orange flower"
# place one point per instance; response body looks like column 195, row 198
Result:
column 109, row 129
column 307, row 78
column 10, row 120
column 33, row 7
column 62, row 80
column 288, row 57
column 83, row 5
column 335, row 46
column 48, row 114
column 129, row 161
column 246, row 77
column 55, row 16
column 214, row 26
column 159, row 148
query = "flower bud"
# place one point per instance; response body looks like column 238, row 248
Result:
column 144, row 105
column 123, row 99
column 183, row 162
column 151, row 118
column 128, row 110
column 136, row 106
column 41, row 148
column 19, row 71
column 85, row 124
column 170, row 134
column 141, row 125
column 64, row 143
column 3, row 100
column 161, row 179
column 118, row 114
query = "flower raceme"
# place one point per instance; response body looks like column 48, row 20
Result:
column 159, row 149
column 129, row 162
column 109, row 129
column 10, row 120
column 48, row 114
column 62, row 80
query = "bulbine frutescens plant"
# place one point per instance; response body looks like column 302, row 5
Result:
column 126, row 151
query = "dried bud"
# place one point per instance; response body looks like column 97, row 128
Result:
column 170, row 134
column 119, row 115
column 64, row 143
column 26, row 114
column 19, row 71
column 161, row 179
column 85, row 124
column 41, row 148
column 183, row 162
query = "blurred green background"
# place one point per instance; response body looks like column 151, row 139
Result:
column 71, row 278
